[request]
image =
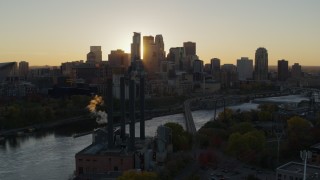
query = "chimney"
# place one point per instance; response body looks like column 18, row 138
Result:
column 142, row 126
column 110, row 113
column 123, row 108
column 132, row 114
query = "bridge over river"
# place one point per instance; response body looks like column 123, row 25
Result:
column 218, row 101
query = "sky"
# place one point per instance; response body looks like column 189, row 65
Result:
column 49, row 32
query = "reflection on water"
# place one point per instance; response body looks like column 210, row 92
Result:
column 40, row 156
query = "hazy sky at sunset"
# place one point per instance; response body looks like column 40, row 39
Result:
column 48, row 32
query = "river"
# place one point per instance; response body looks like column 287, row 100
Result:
column 50, row 155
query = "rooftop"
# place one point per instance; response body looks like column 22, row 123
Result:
column 7, row 64
column 120, row 149
column 295, row 167
column 316, row 146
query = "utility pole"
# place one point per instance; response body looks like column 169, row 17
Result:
column 278, row 131
column 305, row 155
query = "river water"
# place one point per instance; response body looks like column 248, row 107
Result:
column 50, row 155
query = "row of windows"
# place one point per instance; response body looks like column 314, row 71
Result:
column 94, row 160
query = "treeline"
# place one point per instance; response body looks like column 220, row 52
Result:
column 22, row 113
column 244, row 135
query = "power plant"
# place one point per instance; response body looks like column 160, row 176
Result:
column 113, row 151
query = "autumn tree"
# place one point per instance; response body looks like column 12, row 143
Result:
column 181, row 140
column 226, row 116
column 246, row 146
column 242, row 127
column 299, row 136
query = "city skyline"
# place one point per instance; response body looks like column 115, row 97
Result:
column 49, row 33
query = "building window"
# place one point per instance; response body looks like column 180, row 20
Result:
column 121, row 161
column 80, row 169
column 116, row 168
column 109, row 160
column 80, row 159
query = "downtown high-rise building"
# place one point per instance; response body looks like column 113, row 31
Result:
column 23, row 68
column 229, row 76
column 244, row 68
column 160, row 53
column 215, row 65
column 119, row 59
column 283, row 70
column 190, row 48
column 261, row 64
column 178, row 56
column 153, row 53
column 215, row 68
column 136, row 47
column 95, row 54
column 296, row 70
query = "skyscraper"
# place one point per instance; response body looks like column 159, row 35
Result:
column 149, row 53
column 95, row 54
column 153, row 53
column 229, row 76
column 119, row 59
column 296, row 70
column 215, row 65
column 215, row 68
column 136, row 47
column 190, row 48
column 178, row 56
column 283, row 71
column 261, row 64
column 23, row 68
column 244, row 68
column 161, row 54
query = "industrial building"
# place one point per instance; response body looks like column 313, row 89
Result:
column 113, row 151
column 294, row 171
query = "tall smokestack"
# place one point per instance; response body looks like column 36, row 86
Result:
column 110, row 113
column 123, row 108
column 142, row 126
column 132, row 114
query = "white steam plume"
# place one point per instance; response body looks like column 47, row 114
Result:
column 101, row 116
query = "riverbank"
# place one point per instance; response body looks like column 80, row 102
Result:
column 43, row 126
column 73, row 120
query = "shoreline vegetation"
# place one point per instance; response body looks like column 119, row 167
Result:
column 14, row 114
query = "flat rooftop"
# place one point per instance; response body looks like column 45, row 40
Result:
column 102, row 148
column 295, row 167
column 316, row 146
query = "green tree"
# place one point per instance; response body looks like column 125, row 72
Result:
column 265, row 116
column 235, row 144
column 181, row 140
column 226, row 116
column 256, row 140
column 242, row 127
column 268, row 107
column 246, row 146
column 299, row 136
